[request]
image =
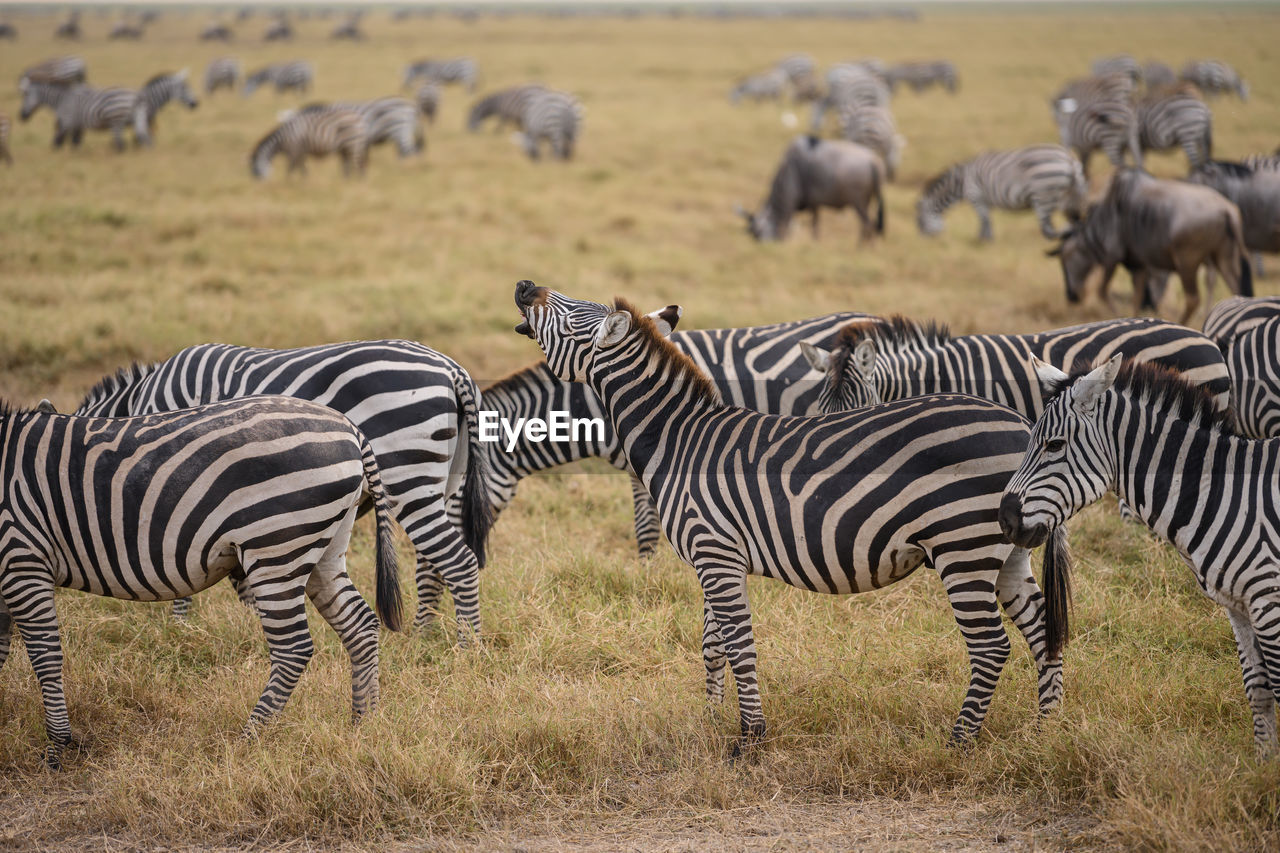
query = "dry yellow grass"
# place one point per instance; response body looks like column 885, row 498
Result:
column 581, row 720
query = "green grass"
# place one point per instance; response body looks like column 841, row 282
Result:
column 584, row 709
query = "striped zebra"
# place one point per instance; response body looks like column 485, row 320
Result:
column 278, row 30
column 1248, row 331
column 1158, row 75
column 798, row 67
column 1098, row 114
column 838, row 504
column 1263, row 162
column 125, row 31
column 348, row 30
column 921, row 75
column 217, row 32
column 756, row 367
column 553, row 117
column 59, row 71
column 873, row 127
column 5, row 155
column 506, row 106
column 849, row 85
column 1214, row 77
column 1163, row 447
column 1176, row 118
column 79, row 108
column 296, row 75
column 428, row 100
column 222, row 73
column 390, row 119
column 768, row 85
column 160, row 90
column 1042, row 178
column 157, row 507
column 460, row 70
column 69, row 30
column 1122, row 64
column 416, row 406
column 317, row 133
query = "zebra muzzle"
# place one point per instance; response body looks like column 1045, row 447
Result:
column 1010, row 517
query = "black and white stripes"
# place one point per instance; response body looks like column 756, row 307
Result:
column 285, row 76
column 392, row 119
column 554, row 118
column 1098, row 114
column 162, row 89
column 1176, row 118
column 314, row 133
column 222, row 73
column 506, row 106
column 462, row 70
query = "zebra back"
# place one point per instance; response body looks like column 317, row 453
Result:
column 59, row 71
column 222, row 73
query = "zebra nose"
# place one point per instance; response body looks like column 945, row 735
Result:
column 526, row 292
column 1010, row 515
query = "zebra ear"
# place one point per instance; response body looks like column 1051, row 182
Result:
column 1051, row 378
column 613, row 329
column 46, row 408
column 819, row 359
column 1088, row 389
column 665, row 319
column 864, row 358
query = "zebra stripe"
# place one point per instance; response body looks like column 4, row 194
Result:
column 874, row 128
column 390, row 120
column 1238, row 314
column 1095, row 114
column 4, row 139
column 315, row 133
column 1158, row 75
column 506, row 105
column 921, row 75
column 60, row 71
column 1248, row 331
column 428, row 100
column 222, row 73
column 162, row 89
column 1214, row 77
column 1042, row 178
column 460, row 70
column 1123, row 65
column 838, row 503
column 850, row 85
column 279, row 30
column 412, row 403
column 83, row 108
column 156, row 507
column 296, row 75
column 1176, row 118
column 1161, row 445
column 798, row 67
column 555, row 117
column 767, row 86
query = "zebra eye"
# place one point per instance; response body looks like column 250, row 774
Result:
column 1055, row 445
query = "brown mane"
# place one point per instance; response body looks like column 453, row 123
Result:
column 515, row 381
column 1163, row 388
column 669, row 356
column 893, row 333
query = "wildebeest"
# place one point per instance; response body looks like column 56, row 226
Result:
column 1155, row 227
column 817, row 173
column 1256, row 193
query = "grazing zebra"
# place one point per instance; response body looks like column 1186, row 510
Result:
column 1098, row 114
column 296, row 75
column 125, row 31
column 1248, row 331
column 390, row 120
column 507, row 106
column 8, row 31
column 555, row 117
column 1176, row 118
column 848, row 86
column 1042, row 178
column 757, row 367
column 69, row 30
column 278, row 30
column 1123, row 64
column 1158, row 75
column 921, row 75
column 461, row 70
column 157, row 507
column 217, row 32
column 80, row 108
column 222, row 73
column 416, row 406
column 160, row 90
column 348, row 30
column 59, row 71
column 1214, row 77
column 4, row 139
column 838, row 503
column 770, row 85
column 1162, row 447
column 428, row 100
column 798, row 67
column 314, row 133
column 873, row 127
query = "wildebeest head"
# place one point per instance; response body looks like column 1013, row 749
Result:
column 760, row 225
column 1077, row 262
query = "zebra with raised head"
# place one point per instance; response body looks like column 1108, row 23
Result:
column 552, row 117
column 768, row 85
column 1215, row 77
column 79, row 108
column 296, row 75
column 506, row 106
column 222, row 73
column 1041, row 178
column 217, row 32
column 1098, row 114
column 873, row 127
column 462, row 70
column 157, row 507
column 849, row 85
column 1248, row 332
column 59, row 71
column 919, row 76
column 428, row 100
column 1163, row 447
column 390, row 119
column 4, row 140
column 838, row 504
column 417, row 407
column 160, row 90
column 314, row 133
column 1176, row 118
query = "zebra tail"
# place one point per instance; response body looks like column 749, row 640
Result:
column 1057, row 591
column 388, row 571
column 477, row 511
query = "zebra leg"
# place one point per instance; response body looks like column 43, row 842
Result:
column 439, row 545
column 6, row 631
column 713, row 656
column 984, row 222
column 117, row 138
column 1044, row 215
column 1264, row 618
column 1023, row 602
column 77, row 136
column 724, row 590
column 430, row 589
column 181, row 608
column 971, row 587
column 1257, row 683
column 244, row 592
column 59, row 133
column 281, row 594
column 648, row 533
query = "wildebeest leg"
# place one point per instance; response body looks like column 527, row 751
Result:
column 813, row 222
column 1104, row 290
column 863, row 210
column 1257, row 265
column 1191, row 289
column 1141, row 281
column 984, row 221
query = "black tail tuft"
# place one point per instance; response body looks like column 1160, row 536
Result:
column 477, row 511
column 1057, row 592
column 387, row 585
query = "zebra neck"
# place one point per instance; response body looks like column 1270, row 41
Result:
column 949, row 190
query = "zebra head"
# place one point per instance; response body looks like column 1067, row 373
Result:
column 572, row 331
column 257, row 79
column 1070, row 461
column 847, row 375
column 36, row 94
column 938, row 194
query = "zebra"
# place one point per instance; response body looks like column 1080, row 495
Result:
column 507, row 106
column 1098, row 114
column 798, row 67
column 1214, row 77
column 278, row 30
column 296, row 75
column 160, row 90
column 390, row 120
column 8, row 31
column 1237, row 314
column 314, row 133
column 1123, row 64
column 222, row 73
column 217, row 32
column 838, row 504
column 1176, row 118
column 1165, row 449
column 552, row 116
column 766, row 86
column 921, row 75
column 755, row 367
column 1247, row 330
column 4, row 139
column 874, row 128
column 125, row 31
column 1263, row 162
column 59, row 71
column 850, row 85
column 428, row 100
column 1042, row 178
column 461, row 70
column 1158, row 75
column 417, row 407
column 269, row 486
column 348, row 30
column 79, row 108
column 69, row 30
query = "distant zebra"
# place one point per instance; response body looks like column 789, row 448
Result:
column 1169, row 454
column 838, row 503
column 278, row 30
column 1158, row 75
column 1248, row 331
column 461, row 70
column 59, row 71
column 507, row 106
column 162, row 89
column 80, row 108
column 348, row 30
column 797, row 67
column 769, row 85
column 1098, row 114
column 8, row 31
column 157, row 507
column 417, row 407
column 316, row 133
column 295, row 75
column 217, row 32
column 1042, row 178
column 1176, row 118
column 1121, row 64
column 554, row 117
column 222, row 73
column 1214, row 77
column 921, row 75
column 390, row 120
column 4, row 139
column 849, row 86
column 428, row 100
column 874, row 128
column 69, row 30
column 125, row 31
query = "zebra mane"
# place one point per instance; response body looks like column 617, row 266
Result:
column 1227, row 167
column 1162, row 388
column 113, row 383
column 517, row 380
column 163, row 75
column 944, row 180
column 670, row 357
column 893, row 333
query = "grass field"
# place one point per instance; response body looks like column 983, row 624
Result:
column 581, row 720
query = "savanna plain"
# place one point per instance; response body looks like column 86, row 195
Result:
column 580, row 721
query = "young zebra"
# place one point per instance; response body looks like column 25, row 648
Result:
column 59, row 71
column 555, row 117
column 1098, row 114
column 874, row 128
column 1214, row 77
column 921, row 75
column 768, row 85
column 160, row 90
column 314, row 133
column 79, row 108
column 428, row 100
column 1176, row 118
column 222, row 73
column 390, row 120
column 507, row 106
column 152, row 508
column 838, row 503
column 460, row 70
column 4, row 140
column 296, row 75
column 1248, row 331
column 414, row 405
column 1042, row 178
column 1162, row 447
